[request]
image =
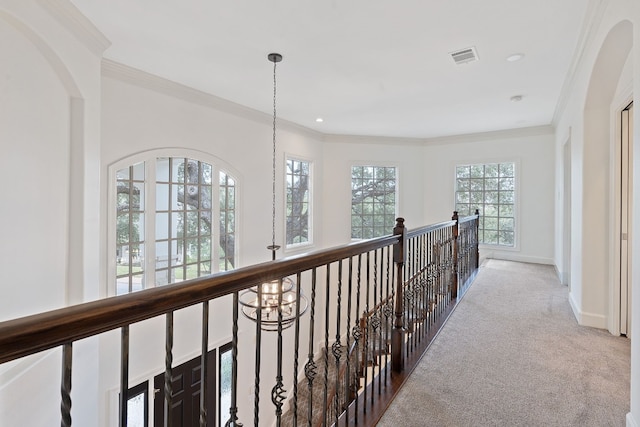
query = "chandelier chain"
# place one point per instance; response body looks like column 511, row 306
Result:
column 273, row 178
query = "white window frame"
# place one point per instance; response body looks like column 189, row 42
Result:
column 309, row 242
column 149, row 158
column 396, row 193
column 516, row 196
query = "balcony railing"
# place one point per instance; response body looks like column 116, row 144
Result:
column 374, row 306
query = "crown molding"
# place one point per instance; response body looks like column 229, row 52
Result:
column 593, row 19
column 134, row 76
column 67, row 14
column 545, row 130
column 364, row 139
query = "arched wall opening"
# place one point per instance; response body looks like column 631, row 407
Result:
column 598, row 168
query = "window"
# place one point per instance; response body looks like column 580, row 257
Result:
column 490, row 188
column 167, row 222
column 138, row 405
column 298, row 202
column 224, row 381
column 373, row 201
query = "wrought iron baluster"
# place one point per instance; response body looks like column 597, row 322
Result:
column 336, row 348
column 65, row 386
column 256, row 382
column 124, row 374
column 168, row 374
column 233, row 408
column 278, row 391
column 348, row 383
column 326, row 347
column 204, row 364
column 367, row 329
column 388, row 311
column 357, row 332
column 310, row 369
column 296, row 350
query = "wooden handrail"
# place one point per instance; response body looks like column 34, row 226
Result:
column 31, row 334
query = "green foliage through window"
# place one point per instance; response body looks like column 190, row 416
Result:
column 373, row 201
column 298, row 177
column 491, row 189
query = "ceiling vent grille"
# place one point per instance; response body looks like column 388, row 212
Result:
column 464, row 56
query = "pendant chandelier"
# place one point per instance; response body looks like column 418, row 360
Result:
column 274, row 303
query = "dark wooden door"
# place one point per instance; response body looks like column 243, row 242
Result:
column 185, row 405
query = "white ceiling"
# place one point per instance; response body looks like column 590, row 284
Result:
column 367, row 67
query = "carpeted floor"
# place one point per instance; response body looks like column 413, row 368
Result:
column 512, row 354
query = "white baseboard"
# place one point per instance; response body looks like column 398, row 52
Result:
column 631, row 422
column 506, row 256
column 591, row 320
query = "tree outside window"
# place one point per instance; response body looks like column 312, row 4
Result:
column 298, row 202
column 490, row 188
column 373, row 201
column 181, row 238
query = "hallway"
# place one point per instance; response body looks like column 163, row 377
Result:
column 513, row 354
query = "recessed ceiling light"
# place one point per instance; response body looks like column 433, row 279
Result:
column 515, row 57
column 319, row 120
column 516, row 98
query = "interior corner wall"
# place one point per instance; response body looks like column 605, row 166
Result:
column 343, row 152
column 533, row 152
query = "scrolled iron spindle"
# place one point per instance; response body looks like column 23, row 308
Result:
column 65, row 386
column 310, row 368
column 326, row 347
column 296, row 351
column 233, row 409
column 336, row 348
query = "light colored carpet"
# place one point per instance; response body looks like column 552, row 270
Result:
column 512, row 354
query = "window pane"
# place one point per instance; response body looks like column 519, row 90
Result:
column 225, row 384
column 490, row 189
column 297, row 219
column 184, row 213
column 373, row 201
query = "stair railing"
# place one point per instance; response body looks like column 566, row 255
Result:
column 408, row 277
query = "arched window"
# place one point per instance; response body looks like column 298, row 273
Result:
column 174, row 219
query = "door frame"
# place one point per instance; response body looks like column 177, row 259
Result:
column 620, row 104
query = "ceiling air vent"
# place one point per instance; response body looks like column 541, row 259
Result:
column 464, row 55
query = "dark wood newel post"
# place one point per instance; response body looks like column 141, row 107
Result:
column 454, row 279
column 398, row 333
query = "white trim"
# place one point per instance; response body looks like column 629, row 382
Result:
column 146, row 156
column 631, row 422
column 70, row 17
column 517, row 164
column 591, row 320
column 619, row 104
column 305, row 246
column 593, row 18
column 134, row 76
column 367, row 163
column 506, row 256
column 491, row 136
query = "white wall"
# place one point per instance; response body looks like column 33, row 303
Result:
column 343, row 152
column 533, row 151
column 49, row 133
column 604, row 66
column 633, row 418
column 140, row 113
